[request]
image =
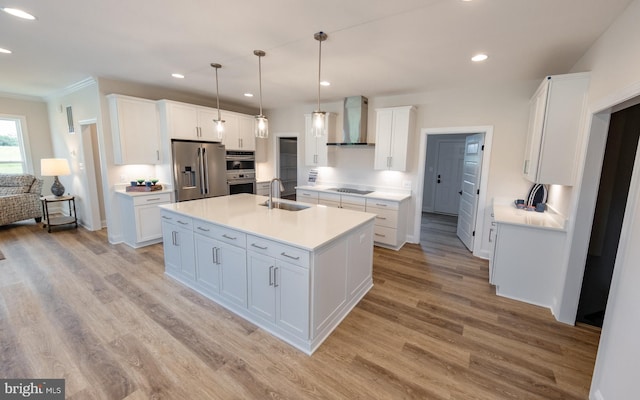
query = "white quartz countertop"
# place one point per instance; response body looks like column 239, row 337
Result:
column 376, row 194
column 509, row 214
column 309, row 228
column 123, row 192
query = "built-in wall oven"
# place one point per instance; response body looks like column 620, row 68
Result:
column 241, row 171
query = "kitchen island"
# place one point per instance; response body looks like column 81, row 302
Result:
column 296, row 274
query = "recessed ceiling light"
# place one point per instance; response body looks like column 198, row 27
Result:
column 5, row 51
column 179, row 76
column 325, row 83
column 18, row 13
column 479, row 57
column 248, row 95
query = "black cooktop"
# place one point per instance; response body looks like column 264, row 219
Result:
column 353, row 191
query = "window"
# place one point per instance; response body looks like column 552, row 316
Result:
column 14, row 154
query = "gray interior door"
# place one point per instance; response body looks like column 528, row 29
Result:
column 449, row 176
column 472, row 166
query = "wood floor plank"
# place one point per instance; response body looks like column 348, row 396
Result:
column 106, row 318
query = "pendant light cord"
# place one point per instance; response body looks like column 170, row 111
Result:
column 319, row 67
column 260, row 80
column 217, row 94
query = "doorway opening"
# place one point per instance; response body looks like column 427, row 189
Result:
column 287, row 165
column 91, row 174
column 445, row 152
column 613, row 191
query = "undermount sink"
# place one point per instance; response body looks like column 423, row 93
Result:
column 286, row 206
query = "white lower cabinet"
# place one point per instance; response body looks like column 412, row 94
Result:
column 221, row 251
column 233, row 273
column 390, row 226
column 179, row 255
column 307, row 196
column 141, row 217
column 525, row 264
column 262, row 188
column 279, row 292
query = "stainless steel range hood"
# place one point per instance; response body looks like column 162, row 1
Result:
column 354, row 127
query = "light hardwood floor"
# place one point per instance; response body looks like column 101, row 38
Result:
column 105, row 318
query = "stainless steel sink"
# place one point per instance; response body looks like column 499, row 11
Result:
column 286, row 206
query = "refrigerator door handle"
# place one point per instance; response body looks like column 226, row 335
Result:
column 205, row 168
column 201, row 169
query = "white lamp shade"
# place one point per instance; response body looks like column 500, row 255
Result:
column 54, row 167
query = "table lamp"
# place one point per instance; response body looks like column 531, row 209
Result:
column 55, row 167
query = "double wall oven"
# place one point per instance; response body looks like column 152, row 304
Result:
column 241, row 171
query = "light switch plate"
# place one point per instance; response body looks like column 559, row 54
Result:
column 406, row 185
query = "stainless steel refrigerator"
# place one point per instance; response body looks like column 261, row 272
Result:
column 199, row 169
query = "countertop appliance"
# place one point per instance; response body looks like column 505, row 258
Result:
column 241, row 172
column 198, row 169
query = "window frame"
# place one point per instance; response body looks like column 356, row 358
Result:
column 23, row 141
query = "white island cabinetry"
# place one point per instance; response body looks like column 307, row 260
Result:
column 268, row 267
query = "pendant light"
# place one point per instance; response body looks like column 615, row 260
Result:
column 262, row 124
column 218, row 123
column 318, row 117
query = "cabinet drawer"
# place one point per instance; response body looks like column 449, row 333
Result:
column 159, row 198
column 354, row 207
column 386, row 235
column 384, row 217
column 176, row 219
column 352, row 200
column 328, row 196
column 329, row 203
column 277, row 250
column 307, row 196
column 220, row 233
column 386, row 204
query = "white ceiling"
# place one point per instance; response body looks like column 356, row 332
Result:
column 375, row 47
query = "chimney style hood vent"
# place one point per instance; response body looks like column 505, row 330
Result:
column 354, row 127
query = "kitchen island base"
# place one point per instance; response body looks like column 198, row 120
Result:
column 298, row 294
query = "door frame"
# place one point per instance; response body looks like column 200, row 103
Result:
column 583, row 203
column 481, row 214
column 276, row 151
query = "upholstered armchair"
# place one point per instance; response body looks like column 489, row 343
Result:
column 19, row 198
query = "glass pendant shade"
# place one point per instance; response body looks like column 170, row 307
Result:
column 262, row 127
column 219, row 125
column 317, row 123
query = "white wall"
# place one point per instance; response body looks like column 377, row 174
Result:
column 505, row 108
column 35, row 113
column 84, row 103
column 614, row 62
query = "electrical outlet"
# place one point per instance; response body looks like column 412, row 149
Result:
column 406, row 185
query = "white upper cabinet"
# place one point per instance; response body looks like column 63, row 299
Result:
column 238, row 131
column 135, row 130
column 393, row 127
column 188, row 121
column 555, row 127
column 316, row 151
